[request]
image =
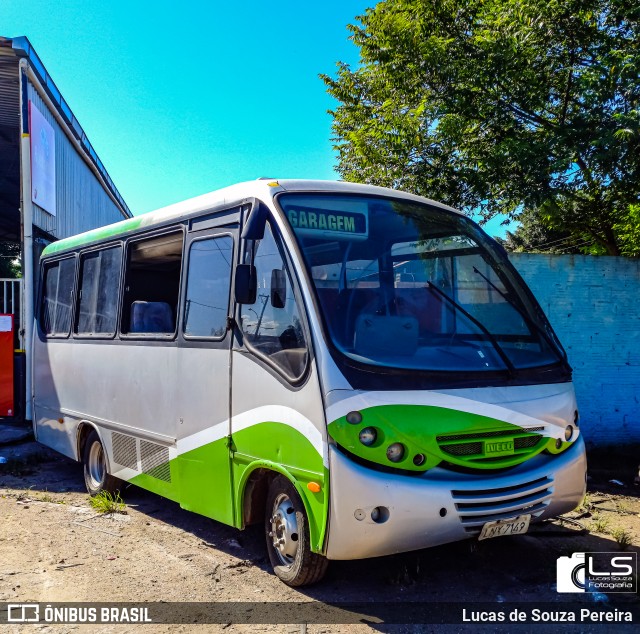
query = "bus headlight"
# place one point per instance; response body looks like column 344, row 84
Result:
column 395, row 452
column 368, row 436
column 568, row 433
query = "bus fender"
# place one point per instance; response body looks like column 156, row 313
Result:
column 316, row 535
column 83, row 429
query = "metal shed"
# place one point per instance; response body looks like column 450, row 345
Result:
column 52, row 185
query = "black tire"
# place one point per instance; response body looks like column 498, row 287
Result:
column 94, row 463
column 287, row 532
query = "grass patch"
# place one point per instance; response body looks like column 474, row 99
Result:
column 600, row 525
column 623, row 538
column 586, row 505
column 47, row 497
column 105, row 502
column 623, row 508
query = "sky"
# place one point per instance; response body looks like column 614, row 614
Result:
column 182, row 98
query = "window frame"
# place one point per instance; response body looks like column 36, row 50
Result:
column 296, row 290
column 146, row 336
column 119, row 294
column 185, row 283
column 74, row 291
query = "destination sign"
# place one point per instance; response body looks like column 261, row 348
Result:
column 338, row 224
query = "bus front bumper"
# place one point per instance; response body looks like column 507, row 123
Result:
column 374, row 513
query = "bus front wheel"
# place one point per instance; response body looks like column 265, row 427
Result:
column 288, row 543
column 94, row 462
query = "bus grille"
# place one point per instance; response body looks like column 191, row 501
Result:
column 484, row 448
column 475, row 508
column 125, row 452
column 155, row 460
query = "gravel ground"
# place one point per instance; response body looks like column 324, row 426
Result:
column 55, row 547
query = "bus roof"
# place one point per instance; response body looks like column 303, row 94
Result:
column 264, row 189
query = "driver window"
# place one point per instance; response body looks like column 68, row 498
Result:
column 272, row 326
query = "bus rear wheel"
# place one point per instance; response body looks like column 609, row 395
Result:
column 94, row 462
column 288, row 543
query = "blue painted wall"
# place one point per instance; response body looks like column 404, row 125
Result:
column 593, row 304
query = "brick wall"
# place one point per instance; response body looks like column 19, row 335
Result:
column 593, row 304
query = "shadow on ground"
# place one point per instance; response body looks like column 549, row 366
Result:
column 509, row 569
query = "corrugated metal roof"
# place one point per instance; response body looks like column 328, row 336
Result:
column 11, row 50
column 9, row 95
column 9, row 146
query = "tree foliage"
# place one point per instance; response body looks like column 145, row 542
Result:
column 533, row 235
column 10, row 259
column 501, row 107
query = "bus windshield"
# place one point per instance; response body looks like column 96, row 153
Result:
column 405, row 285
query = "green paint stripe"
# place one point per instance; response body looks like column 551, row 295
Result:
column 116, row 230
column 417, row 428
column 149, row 483
column 299, row 474
column 211, row 480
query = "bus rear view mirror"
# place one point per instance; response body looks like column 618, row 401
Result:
column 278, row 288
column 254, row 227
column 246, row 283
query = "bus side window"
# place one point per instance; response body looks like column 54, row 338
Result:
column 57, row 300
column 152, row 285
column 208, row 284
column 273, row 328
column 97, row 297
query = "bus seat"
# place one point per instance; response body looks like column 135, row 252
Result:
column 423, row 304
column 151, row 317
column 336, row 309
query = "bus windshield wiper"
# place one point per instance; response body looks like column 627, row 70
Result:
column 505, row 359
column 562, row 355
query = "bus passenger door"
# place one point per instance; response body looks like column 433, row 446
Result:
column 203, row 375
column 278, row 414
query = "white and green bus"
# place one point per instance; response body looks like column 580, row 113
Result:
column 360, row 369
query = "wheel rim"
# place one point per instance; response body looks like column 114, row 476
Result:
column 96, row 466
column 284, row 530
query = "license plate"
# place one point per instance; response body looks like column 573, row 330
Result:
column 501, row 528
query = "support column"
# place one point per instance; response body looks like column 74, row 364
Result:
column 26, row 215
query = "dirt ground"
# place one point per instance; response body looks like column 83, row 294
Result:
column 55, row 547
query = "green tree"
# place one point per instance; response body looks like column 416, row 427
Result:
column 501, row 107
column 533, row 235
column 10, row 259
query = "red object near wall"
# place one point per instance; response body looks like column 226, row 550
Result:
column 6, row 366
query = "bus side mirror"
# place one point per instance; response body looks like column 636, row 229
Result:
column 254, row 227
column 278, row 288
column 246, row 284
